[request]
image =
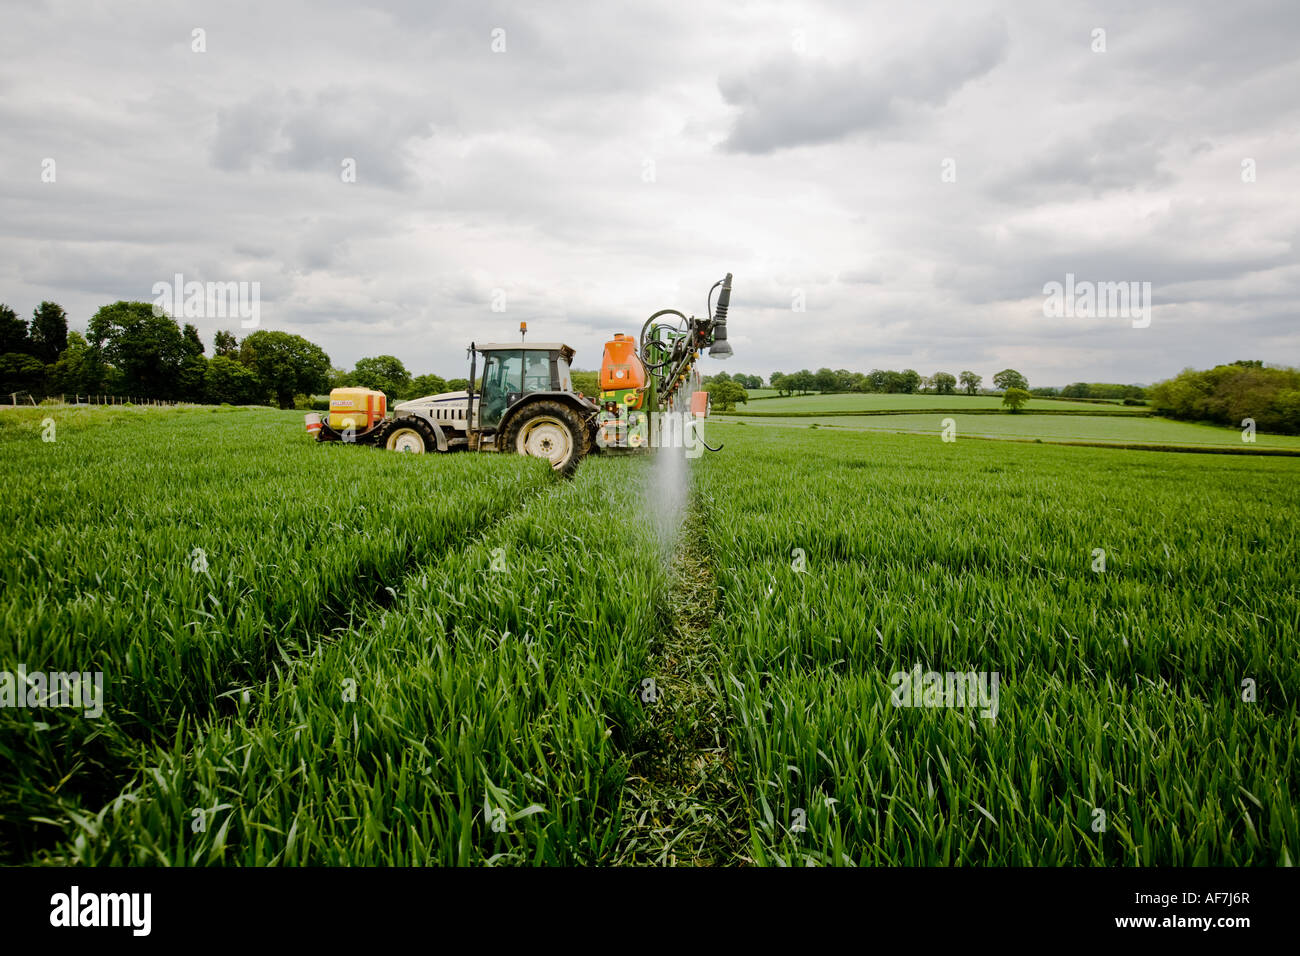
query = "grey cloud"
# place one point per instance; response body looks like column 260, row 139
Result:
column 319, row 132
column 1122, row 154
column 797, row 101
column 244, row 132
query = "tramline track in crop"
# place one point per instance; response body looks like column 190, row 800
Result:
column 681, row 805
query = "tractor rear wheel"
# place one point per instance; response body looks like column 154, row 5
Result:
column 549, row 430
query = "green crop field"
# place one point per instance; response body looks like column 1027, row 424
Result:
column 1113, row 429
column 328, row 654
column 846, row 403
column 1121, row 688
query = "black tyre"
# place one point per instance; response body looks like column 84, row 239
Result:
column 550, row 430
column 409, row 435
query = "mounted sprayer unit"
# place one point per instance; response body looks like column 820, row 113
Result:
column 669, row 349
column 661, row 376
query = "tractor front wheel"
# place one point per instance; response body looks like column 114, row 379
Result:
column 548, row 430
column 406, row 436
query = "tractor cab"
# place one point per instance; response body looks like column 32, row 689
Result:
column 514, row 370
column 526, row 404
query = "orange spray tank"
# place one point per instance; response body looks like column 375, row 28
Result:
column 623, row 395
column 621, row 371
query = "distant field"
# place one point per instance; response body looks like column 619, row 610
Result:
column 855, row 401
column 1138, row 430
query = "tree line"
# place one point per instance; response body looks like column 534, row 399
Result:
column 1103, row 390
column 907, row 382
column 130, row 350
column 1231, row 394
column 729, row 390
column 910, row 381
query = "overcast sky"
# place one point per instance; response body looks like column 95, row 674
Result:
column 612, row 161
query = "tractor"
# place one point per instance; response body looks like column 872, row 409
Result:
column 526, row 403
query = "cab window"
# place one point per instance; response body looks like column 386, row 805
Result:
column 537, row 372
column 502, row 377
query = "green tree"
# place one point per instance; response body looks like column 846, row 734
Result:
column 1015, row 399
column 191, row 382
column 423, row 385
column 1009, row 378
column 225, row 344
column 457, row 384
column 1228, row 394
column 226, row 380
column 13, row 333
column 384, row 373
column 585, row 383
column 971, row 382
column 944, row 383
column 725, row 395
column 72, row 373
column 146, row 349
column 49, row 332
column 286, row 365
column 781, row 382
column 20, row 372
column 911, row 381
